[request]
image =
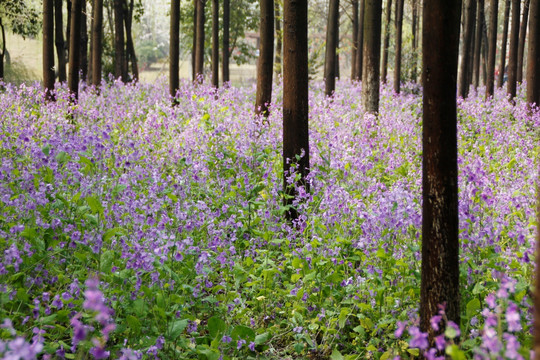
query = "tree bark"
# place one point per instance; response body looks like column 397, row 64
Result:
column 74, row 49
column 295, row 100
column 502, row 63
column 59, row 41
column 399, row 27
column 97, row 42
column 265, row 66
column 174, row 50
column 120, row 70
column 492, row 48
column 354, row 49
column 533, row 97
column 372, row 56
column 440, row 244
column 48, row 48
column 386, row 40
column 513, row 53
column 522, row 37
column 199, row 51
column 194, row 46
column 215, row 43
column 359, row 61
column 3, row 53
column 478, row 43
column 84, row 42
column 68, row 28
column 331, row 45
column 414, row 25
column 226, row 40
column 130, row 47
column 279, row 37
column 464, row 79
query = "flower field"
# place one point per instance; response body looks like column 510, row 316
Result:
column 130, row 229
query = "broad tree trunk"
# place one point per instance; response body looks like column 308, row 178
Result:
column 48, row 48
column 130, row 47
column 59, row 40
column 354, row 49
column 463, row 83
column 399, row 27
column 386, row 40
column 331, row 46
column 97, row 42
column 359, row 61
column 440, row 242
column 522, row 37
column 215, row 42
column 265, row 66
column 502, row 63
column 174, row 49
column 492, row 48
column 533, row 97
column 68, row 28
column 279, row 37
column 226, row 39
column 372, row 56
column 120, row 70
column 74, row 49
column 84, row 42
column 513, row 53
column 478, row 42
column 199, row 50
column 295, row 100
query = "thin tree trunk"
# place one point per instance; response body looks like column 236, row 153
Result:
column 440, row 242
column 119, row 44
column 174, row 50
column 478, row 43
column 484, row 49
column 74, row 46
column 502, row 63
column 130, row 47
column 463, row 83
column 513, row 53
column 59, row 40
column 226, row 40
column 337, row 50
column 359, row 61
column 522, row 37
column 372, row 56
column 97, row 40
column 68, row 28
column 279, row 37
column 84, row 42
column 295, row 100
column 215, row 42
column 533, row 97
column 414, row 67
column 492, row 48
column 3, row 53
column 331, row 45
column 48, row 48
column 199, row 51
column 386, row 40
column 399, row 27
column 354, row 38
column 265, row 66
column 194, row 46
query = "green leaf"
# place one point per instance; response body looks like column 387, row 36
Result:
column 336, row 355
column 211, row 354
column 262, row 338
column 472, row 307
column 107, row 258
column 46, row 149
column 243, row 332
column 176, row 328
column 455, row 353
column 112, row 232
column 95, row 204
column 216, row 326
column 134, row 324
column 62, row 157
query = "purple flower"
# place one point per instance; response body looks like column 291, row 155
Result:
column 226, row 339
column 240, row 343
column 434, row 321
column 400, row 328
column 99, row 352
column 513, row 318
column 251, row 346
column 419, row 339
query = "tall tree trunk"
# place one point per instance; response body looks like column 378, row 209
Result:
column 174, row 50
column 119, row 44
column 130, row 47
column 414, row 67
column 463, row 83
column 74, row 48
column 226, row 39
column 48, row 48
column 215, row 42
column 522, row 37
column 492, row 48
column 513, row 53
column 502, row 63
column 97, row 41
column 265, row 66
column 372, row 56
column 3, row 52
column 484, row 49
column 533, row 97
column 359, row 61
column 440, row 242
column 337, row 50
column 331, row 45
column 68, row 28
column 354, row 21
column 59, row 40
column 295, row 100
column 478, row 43
column 399, row 27
column 386, row 40
column 279, row 37
column 84, row 42
column 194, row 46
column 199, row 51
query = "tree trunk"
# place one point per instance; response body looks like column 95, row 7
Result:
column 295, row 100
column 194, row 46
column 97, row 40
column 59, row 41
column 440, row 244
column 478, row 43
column 48, row 48
column 174, row 50
column 226, row 54
column 522, row 37
column 279, row 37
column 399, row 27
column 215, row 42
column 359, row 61
column 84, row 42
column 513, row 53
column 199, row 50
column 414, row 67
column 533, row 97
column 331, row 45
column 74, row 49
column 68, row 28
column 265, row 66
column 386, row 40
column 463, row 84
column 372, row 56
column 502, row 66
column 337, row 50
column 354, row 21
column 130, row 47
column 492, row 48
column 484, row 49
column 119, row 48
column 3, row 53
